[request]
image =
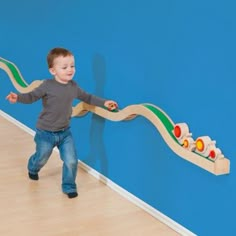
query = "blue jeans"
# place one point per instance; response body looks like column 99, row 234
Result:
column 45, row 142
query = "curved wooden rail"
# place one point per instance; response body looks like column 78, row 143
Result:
column 219, row 167
column 16, row 77
column 154, row 114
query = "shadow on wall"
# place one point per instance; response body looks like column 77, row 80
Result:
column 97, row 151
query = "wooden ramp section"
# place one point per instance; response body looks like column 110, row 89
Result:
column 40, row 208
column 164, row 125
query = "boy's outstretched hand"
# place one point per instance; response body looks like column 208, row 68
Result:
column 12, row 97
column 110, row 105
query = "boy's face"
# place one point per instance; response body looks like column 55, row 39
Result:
column 63, row 69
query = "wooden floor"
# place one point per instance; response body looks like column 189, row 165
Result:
column 31, row 208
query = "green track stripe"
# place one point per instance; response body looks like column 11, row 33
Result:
column 15, row 73
column 168, row 125
column 164, row 119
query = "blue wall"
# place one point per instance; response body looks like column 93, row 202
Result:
column 178, row 55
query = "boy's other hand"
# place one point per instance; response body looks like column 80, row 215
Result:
column 12, row 97
column 111, row 105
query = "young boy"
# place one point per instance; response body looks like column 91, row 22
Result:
column 53, row 125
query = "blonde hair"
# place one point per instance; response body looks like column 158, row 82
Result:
column 57, row 52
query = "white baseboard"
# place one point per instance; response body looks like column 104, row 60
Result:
column 138, row 202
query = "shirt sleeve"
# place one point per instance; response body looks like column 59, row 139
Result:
column 32, row 96
column 89, row 98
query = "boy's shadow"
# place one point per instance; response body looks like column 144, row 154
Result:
column 97, row 150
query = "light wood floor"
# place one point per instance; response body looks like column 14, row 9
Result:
column 29, row 208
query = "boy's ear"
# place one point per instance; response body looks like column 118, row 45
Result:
column 52, row 71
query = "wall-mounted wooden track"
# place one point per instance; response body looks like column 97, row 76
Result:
column 163, row 124
column 154, row 114
column 16, row 77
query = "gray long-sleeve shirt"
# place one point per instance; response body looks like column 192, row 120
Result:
column 57, row 101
